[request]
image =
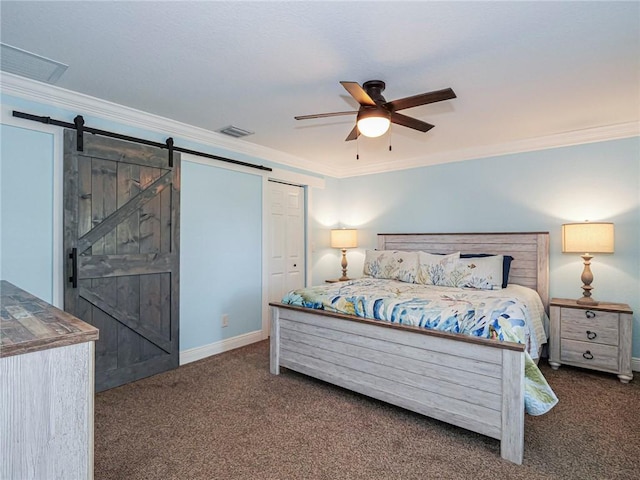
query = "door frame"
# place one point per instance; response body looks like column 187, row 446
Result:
column 287, row 188
column 57, row 207
column 301, row 180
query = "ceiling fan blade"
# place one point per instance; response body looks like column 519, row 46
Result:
column 323, row 115
column 353, row 135
column 410, row 122
column 422, row 99
column 357, row 92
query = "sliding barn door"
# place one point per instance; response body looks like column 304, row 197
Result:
column 121, row 241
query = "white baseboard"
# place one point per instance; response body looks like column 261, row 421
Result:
column 198, row 353
column 635, row 364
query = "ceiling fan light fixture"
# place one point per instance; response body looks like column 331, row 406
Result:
column 373, row 122
column 375, row 114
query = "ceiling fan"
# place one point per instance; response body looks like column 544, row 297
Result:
column 376, row 114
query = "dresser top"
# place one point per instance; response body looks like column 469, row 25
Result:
column 29, row 324
column 602, row 306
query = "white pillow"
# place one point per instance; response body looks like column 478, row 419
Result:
column 432, row 269
column 394, row 265
column 484, row 273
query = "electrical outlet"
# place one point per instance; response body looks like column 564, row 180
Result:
column 225, row 320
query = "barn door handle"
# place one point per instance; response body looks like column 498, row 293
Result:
column 73, row 256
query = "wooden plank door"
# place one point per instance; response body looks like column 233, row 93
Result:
column 121, row 215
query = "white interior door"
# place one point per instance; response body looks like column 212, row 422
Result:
column 286, row 239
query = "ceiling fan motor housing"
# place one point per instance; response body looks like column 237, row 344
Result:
column 374, row 89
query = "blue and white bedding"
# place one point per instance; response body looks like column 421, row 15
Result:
column 514, row 314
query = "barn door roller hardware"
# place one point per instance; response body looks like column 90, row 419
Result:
column 79, row 123
column 79, row 127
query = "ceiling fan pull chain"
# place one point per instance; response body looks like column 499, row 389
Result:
column 357, row 148
column 389, row 137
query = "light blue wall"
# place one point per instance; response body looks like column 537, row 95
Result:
column 26, row 210
column 325, row 212
column 535, row 191
column 220, row 254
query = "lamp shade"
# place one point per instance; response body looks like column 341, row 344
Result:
column 596, row 237
column 373, row 122
column 344, row 238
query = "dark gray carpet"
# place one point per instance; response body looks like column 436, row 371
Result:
column 227, row 417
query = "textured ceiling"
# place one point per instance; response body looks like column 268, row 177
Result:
column 521, row 70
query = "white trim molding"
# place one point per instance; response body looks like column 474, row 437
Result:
column 198, row 353
column 296, row 178
column 565, row 139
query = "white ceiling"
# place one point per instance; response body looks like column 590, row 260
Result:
column 521, row 70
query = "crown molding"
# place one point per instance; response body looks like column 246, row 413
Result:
column 52, row 95
column 565, row 139
column 59, row 97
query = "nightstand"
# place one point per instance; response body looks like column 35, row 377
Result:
column 596, row 337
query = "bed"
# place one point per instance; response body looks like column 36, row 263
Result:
column 471, row 382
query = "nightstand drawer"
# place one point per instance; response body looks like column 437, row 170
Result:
column 590, row 355
column 589, row 326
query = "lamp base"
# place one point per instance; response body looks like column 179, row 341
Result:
column 587, row 278
column 344, row 277
column 587, row 301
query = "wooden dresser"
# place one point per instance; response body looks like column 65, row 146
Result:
column 596, row 337
column 46, row 390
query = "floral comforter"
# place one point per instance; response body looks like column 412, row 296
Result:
column 513, row 314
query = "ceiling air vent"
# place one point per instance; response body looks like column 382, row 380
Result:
column 235, row 131
column 29, row 65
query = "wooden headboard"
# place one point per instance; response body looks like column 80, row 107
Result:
column 530, row 252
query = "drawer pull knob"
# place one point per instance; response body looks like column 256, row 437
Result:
column 591, row 335
column 590, row 314
column 588, row 355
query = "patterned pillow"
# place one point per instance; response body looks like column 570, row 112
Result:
column 484, row 273
column 506, row 264
column 393, row 265
column 433, row 268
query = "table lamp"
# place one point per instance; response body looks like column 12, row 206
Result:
column 587, row 238
column 344, row 238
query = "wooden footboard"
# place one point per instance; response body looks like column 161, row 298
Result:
column 474, row 383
